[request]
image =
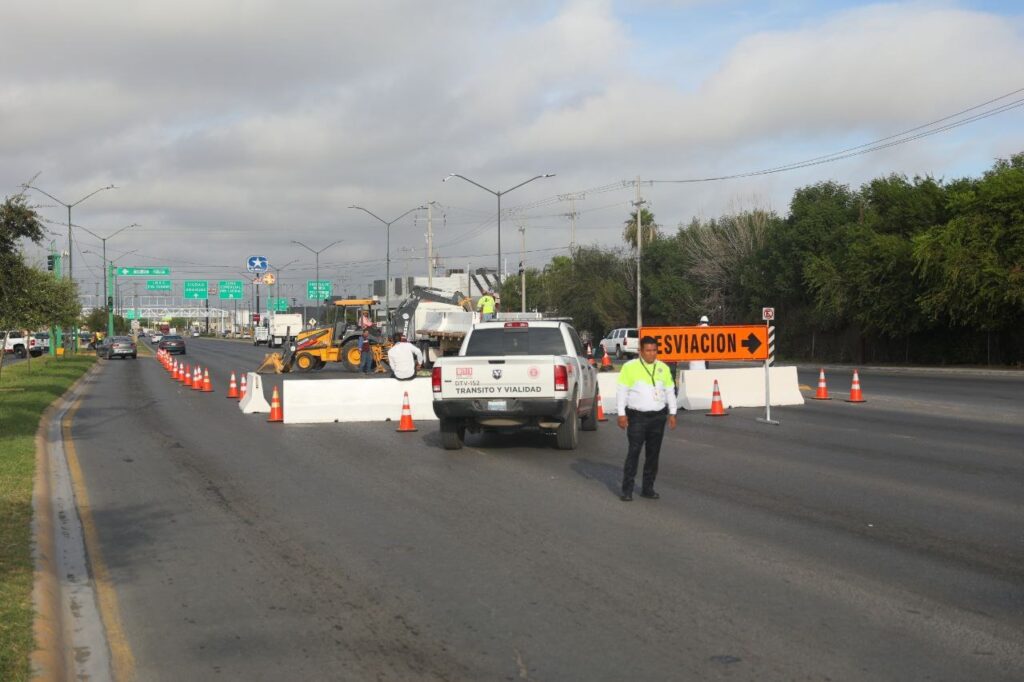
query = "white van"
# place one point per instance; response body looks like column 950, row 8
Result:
column 622, row 341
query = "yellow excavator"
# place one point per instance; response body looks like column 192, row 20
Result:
column 336, row 341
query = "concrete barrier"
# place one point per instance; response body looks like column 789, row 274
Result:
column 607, row 384
column 355, row 400
column 739, row 387
column 254, row 402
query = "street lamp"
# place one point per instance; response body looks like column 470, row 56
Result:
column 499, row 195
column 110, row 267
column 71, row 271
column 277, row 273
column 107, row 268
column 317, row 255
column 387, row 273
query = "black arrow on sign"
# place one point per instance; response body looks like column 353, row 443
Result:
column 752, row 343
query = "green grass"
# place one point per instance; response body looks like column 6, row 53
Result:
column 26, row 390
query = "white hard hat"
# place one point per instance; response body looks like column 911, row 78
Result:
column 704, row 318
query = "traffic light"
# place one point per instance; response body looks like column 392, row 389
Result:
column 110, row 302
column 50, row 262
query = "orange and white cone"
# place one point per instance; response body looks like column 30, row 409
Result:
column 232, row 388
column 244, row 388
column 856, row 395
column 822, row 393
column 188, row 376
column 405, row 423
column 178, row 369
column 606, row 362
column 207, row 386
column 276, row 411
column 197, row 379
column 600, row 410
column 716, row 404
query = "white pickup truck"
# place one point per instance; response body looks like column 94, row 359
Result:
column 516, row 374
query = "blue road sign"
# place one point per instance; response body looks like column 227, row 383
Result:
column 258, row 264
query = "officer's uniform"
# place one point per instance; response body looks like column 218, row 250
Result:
column 646, row 395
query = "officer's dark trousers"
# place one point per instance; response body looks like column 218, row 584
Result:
column 645, row 428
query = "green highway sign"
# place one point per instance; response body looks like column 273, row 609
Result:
column 318, row 289
column 142, row 272
column 129, row 314
column 195, row 288
column 231, row 288
column 158, row 285
column 278, row 305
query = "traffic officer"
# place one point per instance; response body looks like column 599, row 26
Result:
column 646, row 399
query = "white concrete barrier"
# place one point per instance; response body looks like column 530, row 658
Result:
column 254, row 401
column 607, row 384
column 739, row 387
column 355, row 400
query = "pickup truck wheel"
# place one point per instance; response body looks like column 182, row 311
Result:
column 589, row 422
column 453, row 434
column 568, row 435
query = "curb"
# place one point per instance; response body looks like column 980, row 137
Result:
column 50, row 658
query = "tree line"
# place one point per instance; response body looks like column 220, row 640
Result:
column 917, row 270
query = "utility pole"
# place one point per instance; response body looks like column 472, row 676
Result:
column 572, row 224
column 639, row 251
column 522, row 266
column 430, row 244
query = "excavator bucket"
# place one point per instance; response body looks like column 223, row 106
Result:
column 272, row 363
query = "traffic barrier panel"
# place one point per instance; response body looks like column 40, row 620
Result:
column 255, row 401
column 742, row 387
column 346, row 400
column 607, row 386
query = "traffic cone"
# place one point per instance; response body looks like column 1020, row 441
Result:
column 177, row 372
column 207, row 386
column 232, row 388
column 716, row 404
column 188, row 376
column 606, row 363
column 822, row 393
column 276, row 411
column 405, row 423
column 244, row 389
column 197, row 379
column 600, row 410
column 856, row 395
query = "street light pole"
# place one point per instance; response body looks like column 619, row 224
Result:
column 107, row 272
column 499, row 195
column 387, row 267
column 71, row 271
column 316, row 255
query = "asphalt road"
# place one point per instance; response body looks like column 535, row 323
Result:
column 880, row 541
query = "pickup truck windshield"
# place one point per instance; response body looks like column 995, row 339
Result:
column 516, row 341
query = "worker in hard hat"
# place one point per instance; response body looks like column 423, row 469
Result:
column 700, row 364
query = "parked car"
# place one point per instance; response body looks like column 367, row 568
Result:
column 622, row 341
column 155, row 336
column 172, row 343
column 117, row 347
column 16, row 343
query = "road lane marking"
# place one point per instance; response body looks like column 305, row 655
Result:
column 122, row 660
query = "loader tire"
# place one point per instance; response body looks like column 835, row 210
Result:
column 304, row 362
column 350, row 355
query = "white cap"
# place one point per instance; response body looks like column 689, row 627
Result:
column 704, row 319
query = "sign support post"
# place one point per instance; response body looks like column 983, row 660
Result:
column 768, row 314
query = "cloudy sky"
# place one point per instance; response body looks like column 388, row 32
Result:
column 232, row 128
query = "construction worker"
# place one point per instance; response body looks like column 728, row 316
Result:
column 405, row 359
column 365, row 353
column 486, row 306
column 364, row 319
column 700, row 364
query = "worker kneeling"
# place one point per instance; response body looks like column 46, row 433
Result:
column 404, row 359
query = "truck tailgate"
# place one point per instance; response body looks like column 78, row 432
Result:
column 525, row 376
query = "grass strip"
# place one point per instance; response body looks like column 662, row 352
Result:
column 26, row 390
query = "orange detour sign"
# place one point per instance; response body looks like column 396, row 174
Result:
column 732, row 342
